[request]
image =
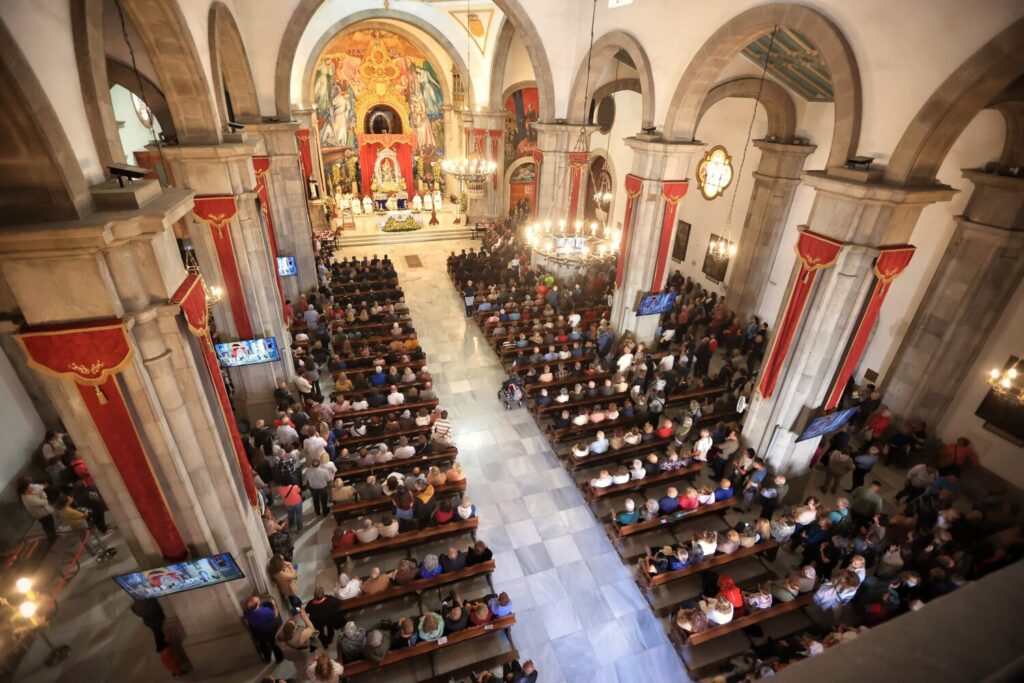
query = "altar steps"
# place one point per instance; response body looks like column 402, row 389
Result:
column 427, row 234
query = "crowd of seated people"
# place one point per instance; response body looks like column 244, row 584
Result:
column 376, row 449
column 866, row 557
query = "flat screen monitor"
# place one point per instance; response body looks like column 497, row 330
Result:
column 286, row 266
column 655, row 304
column 181, row 577
column 827, row 424
column 248, row 352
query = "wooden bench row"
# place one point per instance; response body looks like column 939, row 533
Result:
column 649, row 580
column 684, row 638
column 406, row 539
column 358, row 507
column 399, row 465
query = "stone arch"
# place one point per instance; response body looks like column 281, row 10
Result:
column 1013, row 147
column 229, row 68
column 369, row 19
column 122, row 75
column 91, row 59
column 305, row 9
column 40, row 178
column 968, row 90
column 702, row 72
column 507, row 180
column 618, row 85
column 776, row 100
column 169, row 44
column 603, row 52
column 507, row 92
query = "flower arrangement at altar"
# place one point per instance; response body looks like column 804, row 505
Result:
column 408, row 224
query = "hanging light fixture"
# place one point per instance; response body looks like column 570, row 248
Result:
column 213, row 294
column 1005, row 383
column 724, row 248
column 473, row 170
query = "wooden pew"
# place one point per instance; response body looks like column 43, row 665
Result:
column 358, row 507
column 393, row 657
column 572, row 463
column 374, row 438
column 366, row 371
column 593, row 495
column 623, row 530
column 648, row 580
column 685, row 639
column 403, row 465
column 574, row 406
column 413, row 407
column 417, row 586
column 585, row 358
column 404, row 540
column 555, row 384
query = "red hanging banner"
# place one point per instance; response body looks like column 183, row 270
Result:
column 672, row 191
column 217, row 212
column 891, row 262
column 633, row 185
column 260, row 166
column 305, row 154
column 496, row 136
column 91, row 354
column 192, row 298
column 815, row 252
column 577, row 161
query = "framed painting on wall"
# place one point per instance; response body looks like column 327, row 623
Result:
column 715, row 266
column 682, row 241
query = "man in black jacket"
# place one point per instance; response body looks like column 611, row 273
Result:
column 325, row 614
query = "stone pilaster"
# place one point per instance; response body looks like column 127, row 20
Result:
column 123, row 263
column 654, row 161
column 980, row 270
column 864, row 216
column 492, row 128
column 556, row 141
column 227, row 170
column 290, row 210
column 775, row 182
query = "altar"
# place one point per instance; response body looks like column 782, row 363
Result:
column 386, row 163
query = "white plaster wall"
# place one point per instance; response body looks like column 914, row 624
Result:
column 134, row 136
column 43, row 32
column 628, row 109
column 980, row 143
column 725, row 123
column 518, row 68
column 19, row 423
column 997, row 454
column 334, row 11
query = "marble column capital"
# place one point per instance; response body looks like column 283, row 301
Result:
column 553, row 138
column 656, row 159
column 877, row 192
column 993, row 235
column 784, row 147
column 981, row 177
column 485, row 120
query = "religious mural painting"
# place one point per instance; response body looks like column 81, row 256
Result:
column 521, row 109
column 522, row 187
column 380, row 125
column 682, row 241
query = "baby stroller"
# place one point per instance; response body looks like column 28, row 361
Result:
column 511, row 392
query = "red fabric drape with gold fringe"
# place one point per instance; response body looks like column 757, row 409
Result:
column 577, row 162
column 91, row 355
column 305, row 152
column 191, row 296
column 815, row 252
column 217, row 212
column 633, row 185
column 672, row 191
column 495, row 155
column 260, row 166
column 891, row 262
column 370, row 146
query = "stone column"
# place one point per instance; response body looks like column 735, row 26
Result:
column 654, row 161
column 979, row 272
column 226, row 170
column 122, row 263
column 288, row 205
column 488, row 130
column 557, row 142
column 775, row 182
column 864, row 216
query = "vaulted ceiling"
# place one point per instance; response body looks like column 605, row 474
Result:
column 795, row 62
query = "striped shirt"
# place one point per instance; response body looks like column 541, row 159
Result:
column 442, row 427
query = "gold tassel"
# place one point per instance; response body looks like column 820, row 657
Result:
column 100, row 396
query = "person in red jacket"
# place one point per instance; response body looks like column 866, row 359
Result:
column 730, row 591
column 81, row 471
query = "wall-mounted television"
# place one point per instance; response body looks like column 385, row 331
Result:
column 286, row 266
column 181, row 577
column 827, row 424
column 247, row 352
column 655, row 304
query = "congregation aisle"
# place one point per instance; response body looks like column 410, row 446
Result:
column 579, row 614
